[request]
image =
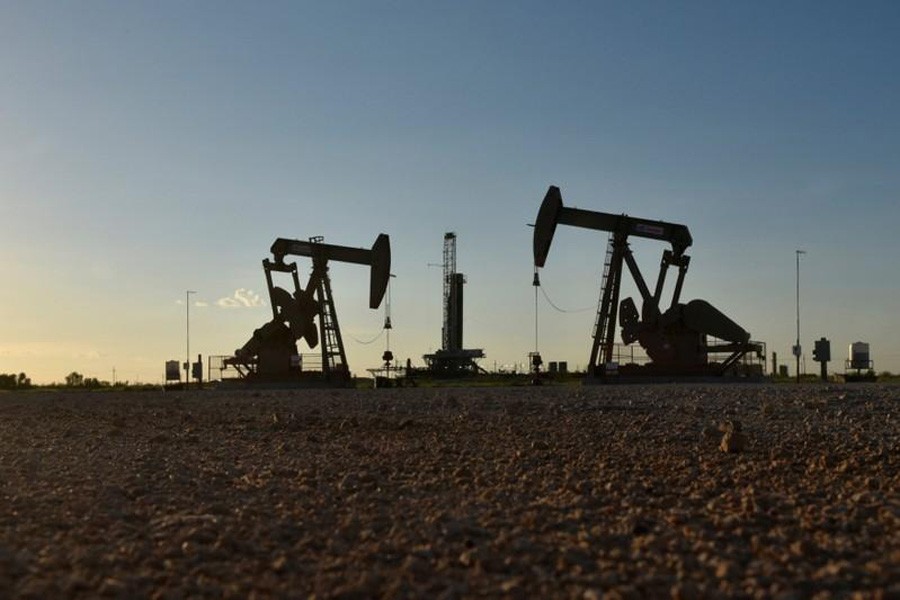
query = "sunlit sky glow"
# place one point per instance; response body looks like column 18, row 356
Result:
column 151, row 148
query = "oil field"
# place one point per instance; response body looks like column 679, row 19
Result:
column 691, row 474
column 685, row 342
column 446, row 300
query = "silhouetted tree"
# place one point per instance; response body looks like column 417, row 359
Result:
column 92, row 383
column 74, row 379
column 11, row 381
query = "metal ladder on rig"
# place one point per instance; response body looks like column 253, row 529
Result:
column 334, row 359
column 608, row 290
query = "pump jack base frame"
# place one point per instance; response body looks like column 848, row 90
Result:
column 626, row 378
column 730, row 370
column 249, row 378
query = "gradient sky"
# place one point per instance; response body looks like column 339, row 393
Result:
column 151, row 148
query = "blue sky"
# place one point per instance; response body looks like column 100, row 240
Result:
column 150, row 148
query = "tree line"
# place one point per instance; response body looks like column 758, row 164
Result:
column 21, row 381
column 76, row 379
column 11, row 381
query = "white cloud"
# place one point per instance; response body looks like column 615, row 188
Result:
column 242, row 298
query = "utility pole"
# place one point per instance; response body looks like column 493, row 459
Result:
column 797, row 350
column 187, row 367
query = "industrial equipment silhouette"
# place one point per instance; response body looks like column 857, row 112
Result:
column 859, row 365
column 675, row 339
column 271, row 355
column 452, row 359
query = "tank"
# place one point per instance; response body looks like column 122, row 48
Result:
column 859, row 355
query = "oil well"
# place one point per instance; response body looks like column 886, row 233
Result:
column 308, row 314
column 452, row 359
column 690, row 340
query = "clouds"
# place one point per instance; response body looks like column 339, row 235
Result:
column 242, row 298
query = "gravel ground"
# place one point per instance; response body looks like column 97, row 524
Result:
column 563, row 492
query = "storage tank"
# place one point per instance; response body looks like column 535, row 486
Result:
column 859, row 355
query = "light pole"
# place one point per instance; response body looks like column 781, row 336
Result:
column 797, row 351
column 187, row 364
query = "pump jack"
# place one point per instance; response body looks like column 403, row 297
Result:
column 270, row 355
column 675, row 339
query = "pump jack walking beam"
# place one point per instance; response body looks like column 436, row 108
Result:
column 378, row 258
column 552, row 212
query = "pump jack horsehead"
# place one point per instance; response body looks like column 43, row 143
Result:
column 675, row 339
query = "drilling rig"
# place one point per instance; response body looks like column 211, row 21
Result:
column 683, row 340
column 270, row 355
column 452, row 359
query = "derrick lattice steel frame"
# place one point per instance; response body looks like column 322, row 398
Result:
column 449, row 272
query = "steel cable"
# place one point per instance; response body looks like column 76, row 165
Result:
column 372, row 341
column 563, row 310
